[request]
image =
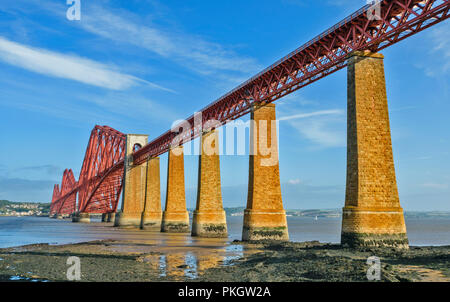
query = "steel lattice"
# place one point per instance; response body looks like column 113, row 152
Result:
column 101, row 180
column 101, row 176
column 323, row 55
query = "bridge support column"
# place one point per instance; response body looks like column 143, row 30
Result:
column 134, row 185
column 372, row 215
column 111, row 217
column 209, row 218
column 84, row 217
column 264, row 217
column 104, row 217
column 175, row 217
column 75, row 217
column 152, row 215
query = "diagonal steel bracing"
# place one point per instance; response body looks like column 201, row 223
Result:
column 101, row 176
column 100, row 182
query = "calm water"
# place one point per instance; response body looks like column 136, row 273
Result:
column 16, row 231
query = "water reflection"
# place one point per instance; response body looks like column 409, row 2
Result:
column 191, row 270
column 191, row 263
column 162, row 266
column 235, row 252
column 20, row 278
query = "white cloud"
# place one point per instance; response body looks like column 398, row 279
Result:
column 294, row 181
column 311, row 114
column 437, row 63
column 192, row 51
column 138, row 108
column 442, row 44
column 67, row 66
column 435, row 185
column 325, row 128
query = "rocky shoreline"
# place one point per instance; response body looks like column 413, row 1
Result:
column 112, row 260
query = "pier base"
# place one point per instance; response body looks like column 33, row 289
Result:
column 84, row 218
column 264, row 218
column 75, row 217
column 104, row 217
column 175, row 217
column 111, row 217
column 209, row 219
column 152, row 215
column 134, row 186
column 372, row 215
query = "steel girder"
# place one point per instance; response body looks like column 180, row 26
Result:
column 101, row 177
column 323, row 55
column 100, row 182
column 56, row 196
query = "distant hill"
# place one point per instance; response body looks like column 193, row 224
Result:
column 237, row 211
column 431, row 214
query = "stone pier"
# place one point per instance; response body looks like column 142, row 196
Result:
column 264, row 217
column 111, row 217
column 105, row 217
column 372, row 215
column 84, row 217
column 152, row 214
column 209, row 218
column 134, row 185
column 75, row 217
column 175, row 217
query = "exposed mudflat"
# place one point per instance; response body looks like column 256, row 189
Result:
column 113, row 260
column 313, row 261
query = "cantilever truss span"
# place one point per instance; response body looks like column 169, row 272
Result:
column 394, row 20
column 100, row 182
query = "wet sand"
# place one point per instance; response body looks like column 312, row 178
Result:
column 136, row 256
column 129, row 255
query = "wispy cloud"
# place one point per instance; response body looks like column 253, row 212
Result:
column 294, row 181
column 439, row 51
column 18, row 189
column 37, row 172
column 67, row 66
column 189, row 50
column 311, row 114
column 325, row 128
column 435, row 185
column 138, row 107
column 51, row 170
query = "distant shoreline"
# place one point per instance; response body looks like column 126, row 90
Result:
column 313, row 213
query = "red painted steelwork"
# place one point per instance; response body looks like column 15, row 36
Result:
column 101, row 176
column 56, row 196
column 316, row 59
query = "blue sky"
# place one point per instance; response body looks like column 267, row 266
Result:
column 139, row 65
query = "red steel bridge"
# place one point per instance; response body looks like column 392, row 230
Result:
column 373, row 27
